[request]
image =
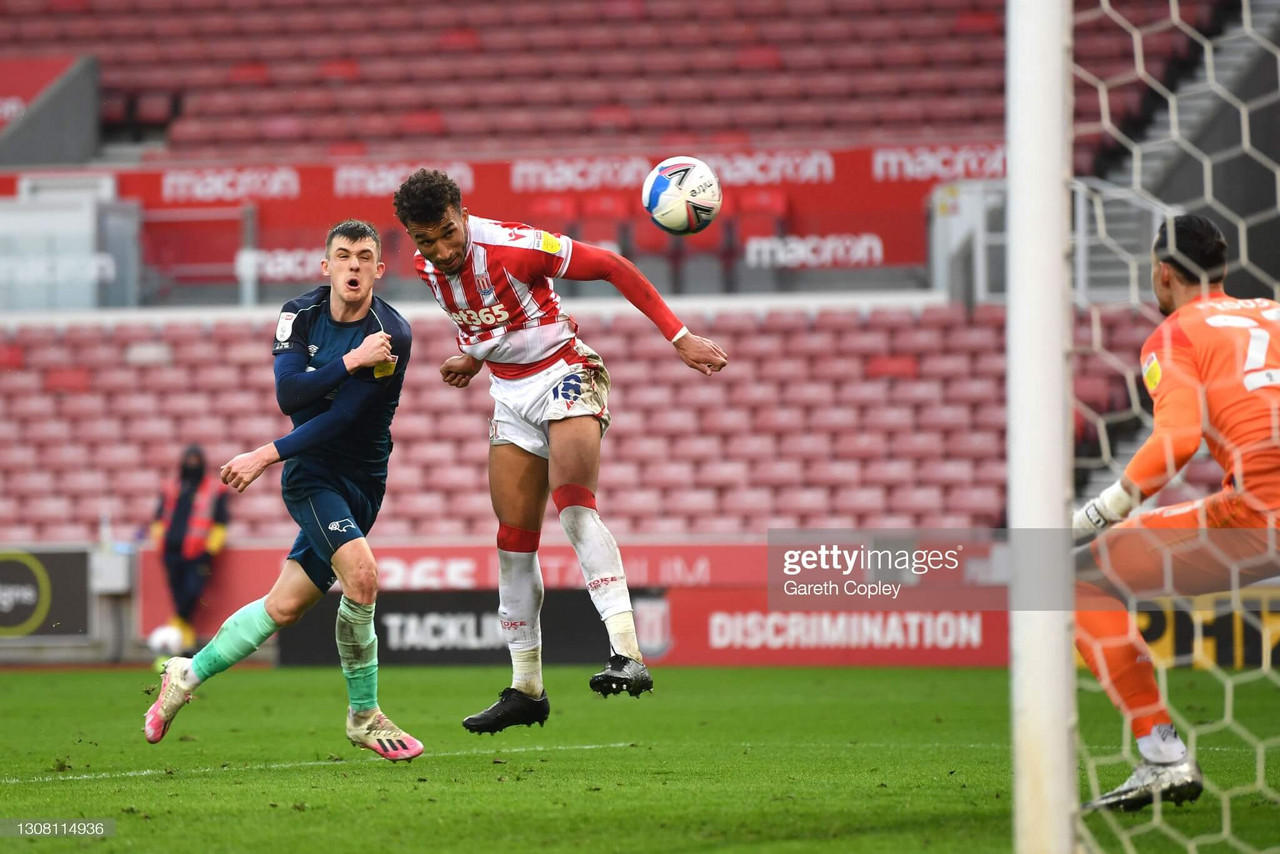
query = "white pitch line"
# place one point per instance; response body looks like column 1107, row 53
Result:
column 273, row 766
column 940, row 745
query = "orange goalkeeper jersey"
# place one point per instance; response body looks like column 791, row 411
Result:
column 1213, row 370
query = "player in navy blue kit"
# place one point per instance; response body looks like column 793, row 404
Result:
column 340, row 358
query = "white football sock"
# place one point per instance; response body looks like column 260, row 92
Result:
column 1162, row 745
column 597, row 552
column 526, row 671
column 520, row 595
column 622, row 635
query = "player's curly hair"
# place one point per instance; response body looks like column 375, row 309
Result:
column 354, row 230
column 425, row 196
column 1198, row 248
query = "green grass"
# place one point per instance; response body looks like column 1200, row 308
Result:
column 794, row 759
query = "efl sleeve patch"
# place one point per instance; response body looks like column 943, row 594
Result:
column 285, row 337
column 550, row 243
column 1151, row 372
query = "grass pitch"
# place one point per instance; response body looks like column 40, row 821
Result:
column 748, row 759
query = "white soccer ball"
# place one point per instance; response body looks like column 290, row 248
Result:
column 682, row 195
column 165, row 640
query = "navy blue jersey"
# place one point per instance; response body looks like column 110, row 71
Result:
column 306, row 336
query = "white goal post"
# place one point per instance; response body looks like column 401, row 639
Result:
column 1042, row 669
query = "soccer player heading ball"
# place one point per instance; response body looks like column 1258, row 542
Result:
column 340, row 358
column 550, row 392
column 1213, row 370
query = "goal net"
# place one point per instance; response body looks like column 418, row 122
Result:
column 1177, row 110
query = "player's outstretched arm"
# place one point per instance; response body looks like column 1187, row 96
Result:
column 350, row 400
column 298, row 388
column 1172, row 443
column 588, row 263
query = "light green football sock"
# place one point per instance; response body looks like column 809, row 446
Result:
column 358, row 650
column 242, row 633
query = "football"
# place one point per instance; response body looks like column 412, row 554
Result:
column 682, row 195
column 165, row 640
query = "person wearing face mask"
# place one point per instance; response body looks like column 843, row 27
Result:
column 190, row 528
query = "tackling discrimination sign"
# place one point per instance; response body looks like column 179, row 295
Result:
column 459, row 627
column 682, row 627
column 44, row 595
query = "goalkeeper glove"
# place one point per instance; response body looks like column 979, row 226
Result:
column 1113, row 505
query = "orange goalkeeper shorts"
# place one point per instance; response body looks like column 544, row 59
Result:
column 1209, row 545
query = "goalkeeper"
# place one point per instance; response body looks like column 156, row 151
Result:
column 1213, row 371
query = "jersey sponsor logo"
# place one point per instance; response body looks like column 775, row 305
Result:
column 284, row 326
column 343, row 525
column 1151, row 372
column 386, row 369
column 550, row 243
column 490, row 316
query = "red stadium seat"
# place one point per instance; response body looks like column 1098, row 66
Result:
column 784, row 421
column 915, row 499
column 67, row 459
column 645, row 448
column 803, row 500
column 698, row 448
column 916, row 445
column 974, row 391
column 806, row 446
column 728, row 474
column 775, row 472
column 68, row 532
column 975, row 446
column 946, row 472
column 861, row 446
column 753, row 447
column 859, row 500
column 671, row 474
column 945, row 366
column 748, row 502
column 690, row 503
column 915, row 392
column 889, row 419
column 916, row 341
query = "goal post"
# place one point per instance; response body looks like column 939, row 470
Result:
column 1042, row 668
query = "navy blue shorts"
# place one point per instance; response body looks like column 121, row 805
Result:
column 331, row 510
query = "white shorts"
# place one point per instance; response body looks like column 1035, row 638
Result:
column 523, row 408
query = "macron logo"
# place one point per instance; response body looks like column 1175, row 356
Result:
column 342, row 525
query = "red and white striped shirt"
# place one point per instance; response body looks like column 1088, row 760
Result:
column 503, row 301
